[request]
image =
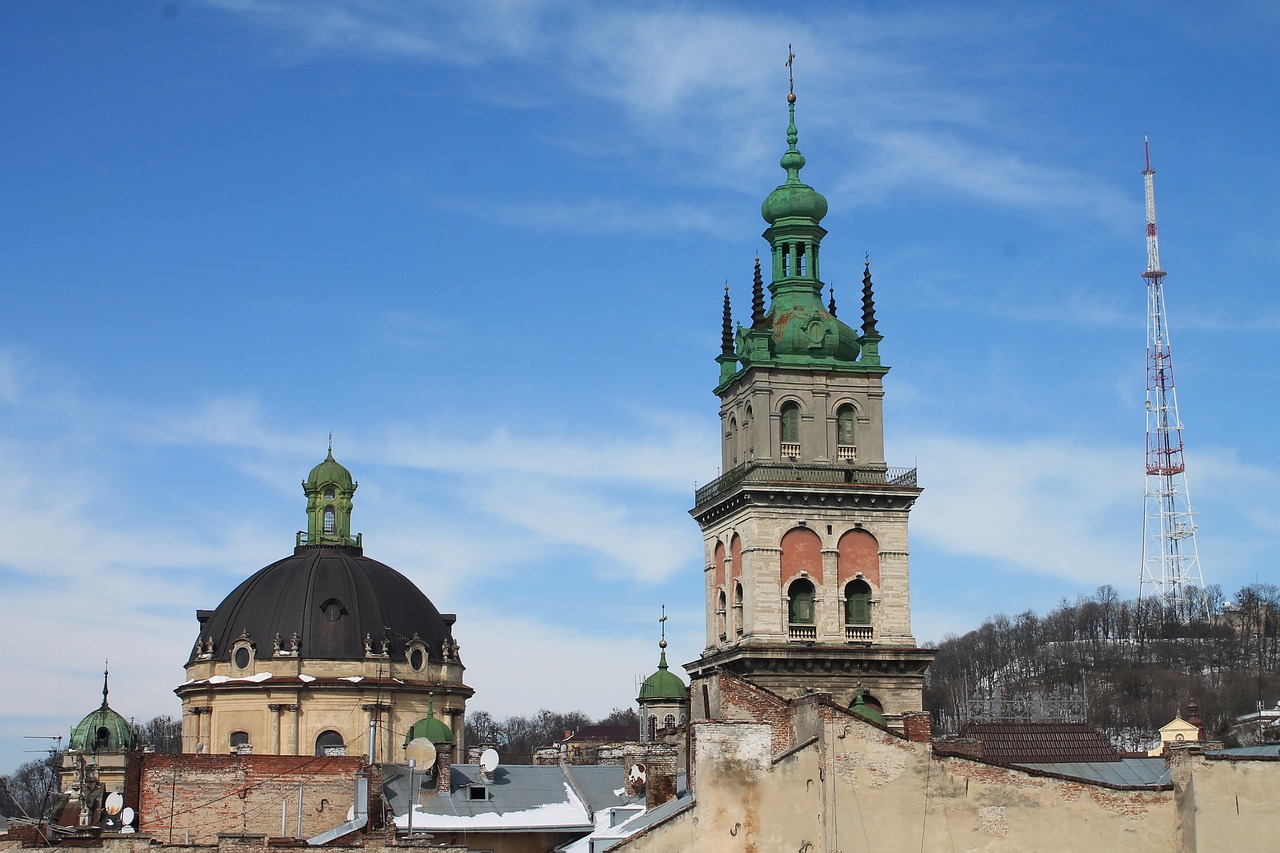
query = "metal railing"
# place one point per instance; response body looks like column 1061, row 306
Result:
column 809, row 474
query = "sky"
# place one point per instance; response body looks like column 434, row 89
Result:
column 485, row 245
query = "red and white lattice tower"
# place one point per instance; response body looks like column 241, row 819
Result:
column 1170, row 559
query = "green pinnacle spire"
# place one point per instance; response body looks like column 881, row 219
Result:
column 798, row 331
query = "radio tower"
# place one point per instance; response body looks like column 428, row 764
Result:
column 1170, row 560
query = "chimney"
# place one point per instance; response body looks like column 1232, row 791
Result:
column 444, row 769
column 660, row 775
column 918, row 726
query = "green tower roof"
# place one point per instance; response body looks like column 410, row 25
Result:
column 865, row 711
column 663, row 684
column 103, row 730
column 793, row 199
column 430, row 728
column 329, row 471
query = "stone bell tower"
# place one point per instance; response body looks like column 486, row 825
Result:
column 807, row 580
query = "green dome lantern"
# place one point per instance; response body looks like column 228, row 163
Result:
column 329, row 489
column 793, row 199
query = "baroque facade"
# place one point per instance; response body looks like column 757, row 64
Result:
column 325, row 652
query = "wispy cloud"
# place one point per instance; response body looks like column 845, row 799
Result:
column 697, row 81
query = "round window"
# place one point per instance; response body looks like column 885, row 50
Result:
column 416, row 659
column 242, row 657
column 332, row 609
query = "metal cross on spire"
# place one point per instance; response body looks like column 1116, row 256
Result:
column 791, row 80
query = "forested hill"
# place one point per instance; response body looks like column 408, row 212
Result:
column 1135, row 662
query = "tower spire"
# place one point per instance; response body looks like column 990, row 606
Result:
column 868, row 302
column 831, row 306
column 105, row 670
column 726, row 325
column 757, row 297
column 1170, row 559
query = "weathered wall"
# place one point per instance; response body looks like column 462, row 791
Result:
column 1227, row 805
column 193, row 798
column 854, row 786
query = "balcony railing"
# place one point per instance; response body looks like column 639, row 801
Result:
column 803, row 632
column 808, row 474
column 846, row 452
column 858, row 633
column 789, row 449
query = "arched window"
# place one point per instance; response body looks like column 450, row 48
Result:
column 669, row 721
column 733, row 442
column 330, row 742
column 749, row 447
column 720, row 614
column 790, row 413
column 800, row 602
column 845, row 443
column 239, row 739
column 328, row 493
column 330, row 520
column 737, row 608
column 857, row 603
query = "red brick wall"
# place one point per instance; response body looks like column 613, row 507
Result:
column 918, row 726
column 801, row 551
column 740, row 699
column 858, row 551
column 195, row 797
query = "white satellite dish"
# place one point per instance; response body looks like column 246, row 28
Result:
column 127, row 816
column 489, row 760
column 114, row 803
column 422, row 752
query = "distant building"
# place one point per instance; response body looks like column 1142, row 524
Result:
column 92, row 776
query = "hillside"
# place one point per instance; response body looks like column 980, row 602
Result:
column 1134, row 662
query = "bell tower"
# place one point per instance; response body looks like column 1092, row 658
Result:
column 807, row 579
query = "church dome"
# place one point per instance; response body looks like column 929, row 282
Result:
column 334, row 599
column 663, row 684
column 330, row 471
column 103, row 731
column 436, row 731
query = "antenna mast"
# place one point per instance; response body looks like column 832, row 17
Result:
column 1170, row 559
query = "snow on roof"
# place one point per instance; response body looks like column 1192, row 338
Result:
column 569, row 813
column 302, row 676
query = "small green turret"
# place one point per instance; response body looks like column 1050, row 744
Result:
column 329, row 489
column 103, row 730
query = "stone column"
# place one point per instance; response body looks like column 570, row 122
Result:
column 273, row 735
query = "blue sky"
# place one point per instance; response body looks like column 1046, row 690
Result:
column 484, row 244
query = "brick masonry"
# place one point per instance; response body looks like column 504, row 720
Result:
column 193, row 798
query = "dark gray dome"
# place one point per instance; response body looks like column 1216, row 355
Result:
column 332, row 598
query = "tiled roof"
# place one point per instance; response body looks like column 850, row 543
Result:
column 1040, row 743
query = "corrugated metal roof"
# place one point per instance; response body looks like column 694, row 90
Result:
column 1127, row 772
column 518, row 796
column 1266, row 750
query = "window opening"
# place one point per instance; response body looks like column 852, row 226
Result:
column 330, row 520
column 790, row 423
column 330, row 742
column 857, row 603
column 800, row 603
column 239, row 739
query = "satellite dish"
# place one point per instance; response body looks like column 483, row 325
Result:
column 127, row 816
column 489, row 760
column 114, row 803
column 421, row 751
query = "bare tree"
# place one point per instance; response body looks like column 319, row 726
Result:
column 29, row 790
